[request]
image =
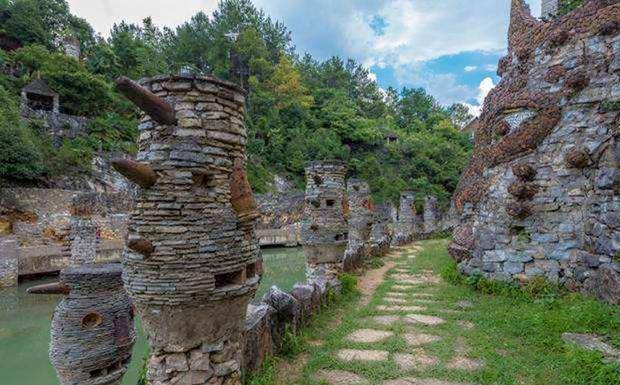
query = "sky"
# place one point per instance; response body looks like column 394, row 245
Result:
column 449, row 47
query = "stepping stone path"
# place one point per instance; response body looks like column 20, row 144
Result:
column 369, row 336
column 349, row 355
column 412, row 295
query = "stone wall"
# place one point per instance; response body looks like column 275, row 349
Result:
column 408, row 224
column 43, row 216
column 431, row 216
column 540, row 196
column 382, row 229
column 57, row 125
column 280, row 218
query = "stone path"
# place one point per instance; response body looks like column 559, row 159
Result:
column 411, row 315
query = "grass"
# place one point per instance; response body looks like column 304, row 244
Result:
column 517, row 332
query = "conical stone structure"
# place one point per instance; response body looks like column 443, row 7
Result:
column 382, row 229
column 324, row 225
column 92, row 327
column 192, row 262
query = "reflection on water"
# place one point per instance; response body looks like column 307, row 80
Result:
column 25, row 323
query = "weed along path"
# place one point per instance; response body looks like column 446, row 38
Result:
column 414, row 328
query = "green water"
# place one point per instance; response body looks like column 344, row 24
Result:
column 25, row 323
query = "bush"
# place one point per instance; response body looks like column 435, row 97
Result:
column 19, row 156
column 348, row 283
column 80, row 93
column 567, row 6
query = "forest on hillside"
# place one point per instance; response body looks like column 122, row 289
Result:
column 299, row 108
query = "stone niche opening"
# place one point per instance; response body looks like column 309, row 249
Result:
column 330, row 202
column 250, row 271
column 229, row 279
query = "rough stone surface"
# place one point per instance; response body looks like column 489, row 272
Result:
column 419, row 360
column 386, row 320
column 592, row 342
column 423, row 319
column 361, row 219
column 258, row 343
column 464, row 363
column 541, row 199
column 340, row 377
column 349, row 355
column 417, row 339
column 383, row 229
column 287, row 315
column 369, row 336
column 324, row 225
column 431, row 216
column 396, row 308
column 419, row 381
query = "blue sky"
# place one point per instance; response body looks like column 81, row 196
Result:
column 449, row 47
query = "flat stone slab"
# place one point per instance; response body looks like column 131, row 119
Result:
column 423, row 319
column 385, row 320
column 350, row 355
column 425, row 301
column 400, row 301
column 340, row 377
column 591, row 342
column 400, row 308
column 396, row 294
column 418, row 360
column 401, row 287
column 369, row 336
column 465, row 325
column 418, row 339
column 464, row 363
column 464, row 305
column 420, row 381
column 422, row 295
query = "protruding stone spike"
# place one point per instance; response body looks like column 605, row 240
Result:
column 157, row 108
column 139, row 173
column 50, row 288
column 141, row 246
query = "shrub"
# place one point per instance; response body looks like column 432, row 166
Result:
column 348, row 283
column 376, row 263
column 567, row 6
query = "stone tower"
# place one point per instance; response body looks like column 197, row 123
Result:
column 549, row 8
column 540, row 195
column 430, row 215
column 382, row 229
column 406, row 225
column 192, row 262
column 324, row 225
column 83, row 231
column 361, row 218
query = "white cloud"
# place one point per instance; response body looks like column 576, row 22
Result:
column 491, row 67
column 470, row 68
column 102, row 14
column 486, row 85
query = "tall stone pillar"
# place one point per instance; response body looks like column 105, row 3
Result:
column 550, row 8
column 9, row 262
column 382, row 229
column 83, row 231
column 430, row 215
column 192, row 262
column 406, row 226
column 361, row 218
column 324, row 226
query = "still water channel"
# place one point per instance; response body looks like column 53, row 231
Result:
column 25, row 323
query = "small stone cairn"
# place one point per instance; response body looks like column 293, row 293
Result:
column 324, row 226
column 361, row 219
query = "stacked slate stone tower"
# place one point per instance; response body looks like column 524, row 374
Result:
column 92, row 327
column 83, row 231
column 430, row 215
column 382, row 229
column 407, row 219
column 541, row 194
column 361, row 219
column 324, row 225
column 192, row 262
